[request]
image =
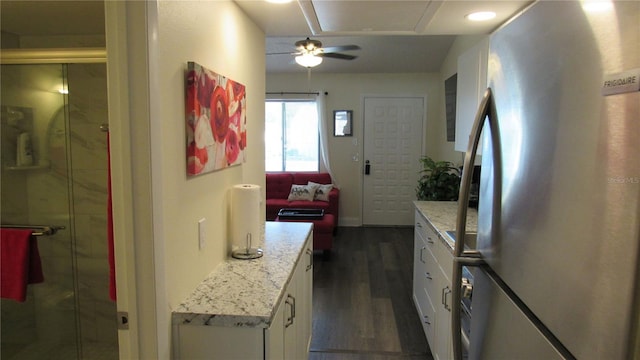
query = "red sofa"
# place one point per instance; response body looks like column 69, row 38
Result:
column 278, row 186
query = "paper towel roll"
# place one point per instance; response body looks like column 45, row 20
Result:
column 245, row 216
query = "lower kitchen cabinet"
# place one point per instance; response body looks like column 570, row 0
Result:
column 289, row 336
column 443, row 346
column 284, row 333
column 433, row 263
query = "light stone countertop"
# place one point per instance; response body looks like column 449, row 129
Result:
column 441, row 215
column 247, row 292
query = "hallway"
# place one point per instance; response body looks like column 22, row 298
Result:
column 362, row 305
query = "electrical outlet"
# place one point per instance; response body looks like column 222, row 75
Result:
column 201, row 233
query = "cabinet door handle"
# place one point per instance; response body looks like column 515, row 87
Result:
column 426, row 320
column 428, row 275
column 310, row 253
column 419, row 225
column 429, row 240
column 293, row 309
column 421, row 254
column 445, row 292
column 291, row 301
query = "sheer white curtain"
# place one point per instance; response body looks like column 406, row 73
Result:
column 324, row 121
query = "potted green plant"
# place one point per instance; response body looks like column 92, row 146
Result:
column 440, row 180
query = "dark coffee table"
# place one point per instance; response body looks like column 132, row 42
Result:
column 301, row 214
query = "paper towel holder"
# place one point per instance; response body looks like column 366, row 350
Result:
column 248, row 252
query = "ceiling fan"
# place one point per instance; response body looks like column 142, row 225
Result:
column 309, row 53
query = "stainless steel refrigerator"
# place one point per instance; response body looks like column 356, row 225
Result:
column 556, row 271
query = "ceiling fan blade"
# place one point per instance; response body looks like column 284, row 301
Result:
column 337, row 56
column 330, row 49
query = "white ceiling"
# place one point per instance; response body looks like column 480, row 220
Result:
column 394, row 36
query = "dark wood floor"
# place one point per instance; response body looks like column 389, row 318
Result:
column 362, row 302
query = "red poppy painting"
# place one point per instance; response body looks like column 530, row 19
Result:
column 215, row 112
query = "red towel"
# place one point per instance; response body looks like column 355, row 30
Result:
column 112, row 261
column 20, row 263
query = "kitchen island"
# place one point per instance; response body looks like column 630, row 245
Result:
column 258, row 308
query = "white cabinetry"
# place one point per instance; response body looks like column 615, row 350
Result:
column 421, row 275
column 297, row 306
column 433, row 264
column 287, row 337
column 472, row 83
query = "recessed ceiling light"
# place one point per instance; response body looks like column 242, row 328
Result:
column 597, row 5
column 481, row 16
column 279, row 1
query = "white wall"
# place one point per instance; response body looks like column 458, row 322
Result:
column 156, row 207
column 345, row 93
column 217, row 35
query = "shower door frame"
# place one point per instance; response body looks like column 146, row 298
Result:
column 59, row 57
column 125, row 258
column 130, row 29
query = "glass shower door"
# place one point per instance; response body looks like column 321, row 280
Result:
column 35, row 190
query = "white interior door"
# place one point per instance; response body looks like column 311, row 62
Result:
column 392, row 149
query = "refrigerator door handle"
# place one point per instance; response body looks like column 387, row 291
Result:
column 486, row 110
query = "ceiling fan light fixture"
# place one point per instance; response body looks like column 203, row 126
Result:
column 308, row 60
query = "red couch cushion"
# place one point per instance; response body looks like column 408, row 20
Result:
column 278, row 185
column 303, row 178
column 297, row 204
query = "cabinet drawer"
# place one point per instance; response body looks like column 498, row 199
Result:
column 445, row 259
column 420, row 301
column 431, row 239
column 419, row 267
column 423, row 228
column 431, row 273
column 429, row 322
column 420, row 226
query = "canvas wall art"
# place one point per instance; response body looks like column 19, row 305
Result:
column 215, row 119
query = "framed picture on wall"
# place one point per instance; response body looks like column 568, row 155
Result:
column 342, row 123
column 215, row 121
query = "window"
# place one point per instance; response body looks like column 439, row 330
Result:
column 291, row 135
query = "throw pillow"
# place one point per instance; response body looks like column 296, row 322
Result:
column 302, row 192
column 322, row 192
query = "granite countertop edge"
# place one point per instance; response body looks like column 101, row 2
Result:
column 442, row 215
column 246, row 293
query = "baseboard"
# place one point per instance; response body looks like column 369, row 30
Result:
column 349, row 221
